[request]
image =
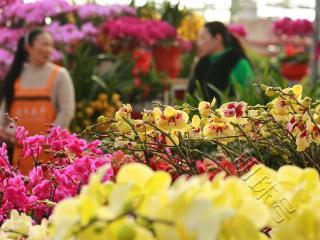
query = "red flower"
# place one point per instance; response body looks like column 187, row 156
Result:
column 137, row 82
column 146, row 91
column 237, row 168
column 290, row 50
column 142, row 60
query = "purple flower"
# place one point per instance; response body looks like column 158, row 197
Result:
column 94, row 10
column 4, row 3
column 6, row 57
column 9, row 37
column 70, row 33
column 64, row 34
column 56, row 56
column 90, row 32
column 35, row 13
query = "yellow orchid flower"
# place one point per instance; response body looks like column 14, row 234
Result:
column 124, row 112
column 195, row 130
column 234, row 112
column 205, row 108
column 172, row 119
column 124, row 126
column 296, row 90
column 139, row 126
column 303, row 141
column 214, row 130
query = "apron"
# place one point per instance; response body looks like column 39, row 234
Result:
column 35, row 112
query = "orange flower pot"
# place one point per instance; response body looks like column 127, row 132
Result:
column 167, row 59
column 294, row 71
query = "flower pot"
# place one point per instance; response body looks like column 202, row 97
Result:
column 167, row 59
column 294, row 71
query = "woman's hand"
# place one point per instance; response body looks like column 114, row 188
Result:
column 5, row 137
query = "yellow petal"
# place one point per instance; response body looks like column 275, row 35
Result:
column 136, row 173
column 169, row 111
column 204, row 108
column 297, row 90
column 196, row 121
column 302, row 143
column 159, row 182
column 88, row 208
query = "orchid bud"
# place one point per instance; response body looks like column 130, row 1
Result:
column 270, row 124
column 264, row 114
column 285, row 157
column 101, row 119
column 270, row 106
column 307, row 102
column 264, row 87
column 269, row 92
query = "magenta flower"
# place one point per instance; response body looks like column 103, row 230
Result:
column 238, row 29
column 141, row 32
column 74, row 160
column 4, row 160
column 21, row 134
column 32, row 146
column 290, row 28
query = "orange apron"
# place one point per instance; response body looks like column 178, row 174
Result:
column 35, row 112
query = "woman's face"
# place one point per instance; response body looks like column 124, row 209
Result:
column 206, row 43
column 41, row 49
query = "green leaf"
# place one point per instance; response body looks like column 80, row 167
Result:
column 221, row 95
column 99, row 81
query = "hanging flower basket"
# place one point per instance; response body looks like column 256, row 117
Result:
column 294, row 71
column 167, row 59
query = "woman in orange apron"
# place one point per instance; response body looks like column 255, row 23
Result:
column 37, row 92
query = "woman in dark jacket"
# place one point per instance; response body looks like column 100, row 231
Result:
column 223, row 62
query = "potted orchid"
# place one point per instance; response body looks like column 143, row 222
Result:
column 127, row 33
column 294, row 62
column 295, row 57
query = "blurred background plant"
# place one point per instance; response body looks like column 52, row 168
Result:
column 87, row 112
column 139, row 52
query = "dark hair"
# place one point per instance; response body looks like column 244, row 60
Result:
column 229, row 40
column 21, row 55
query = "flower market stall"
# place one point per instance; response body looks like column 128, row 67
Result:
column 145, row 160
